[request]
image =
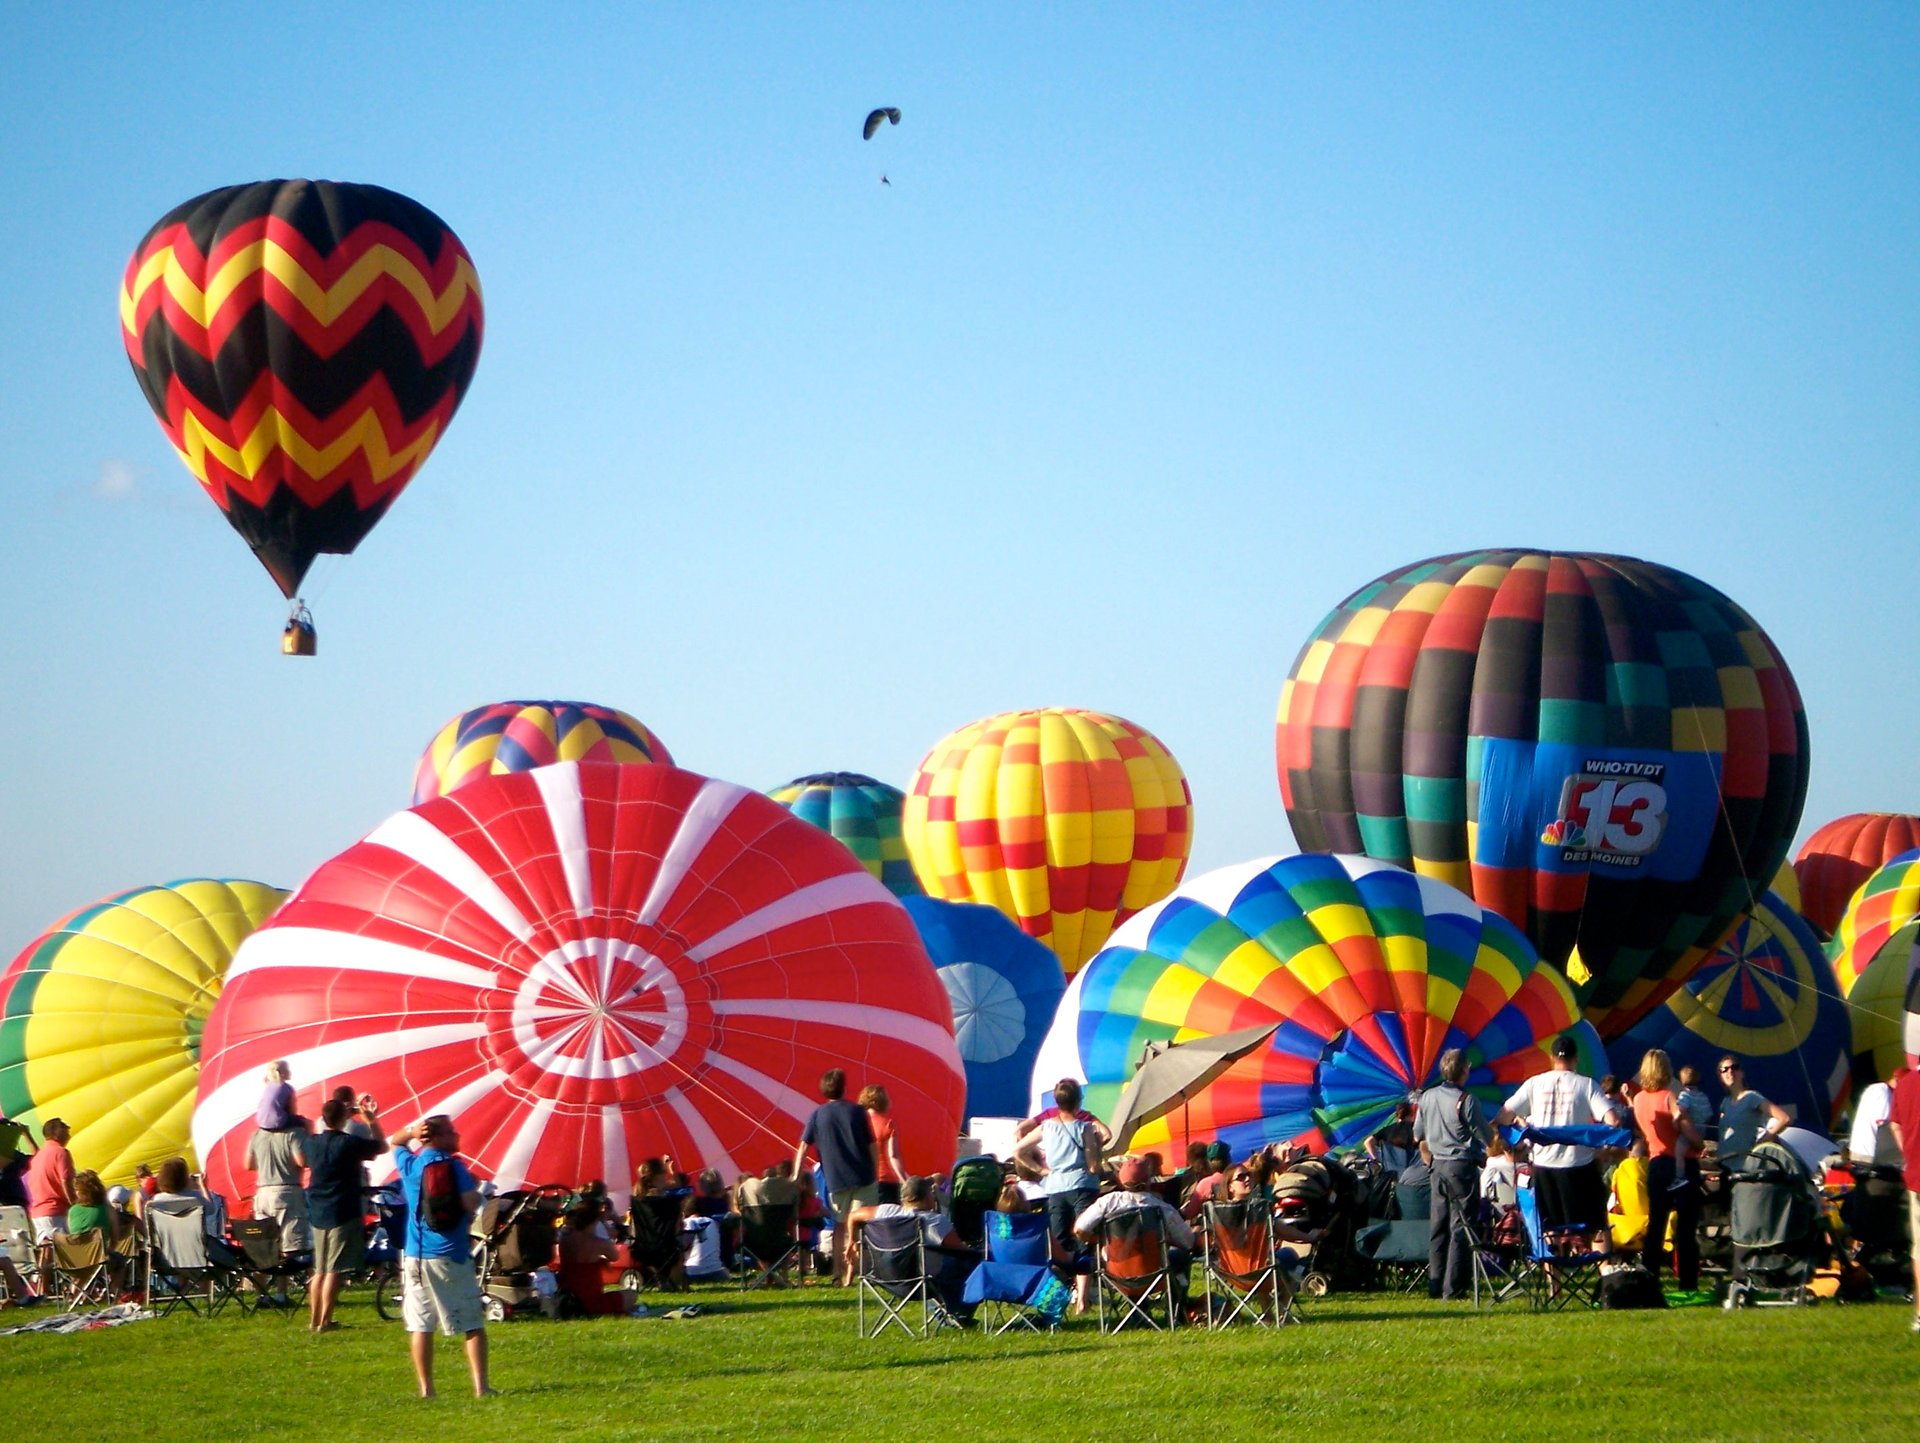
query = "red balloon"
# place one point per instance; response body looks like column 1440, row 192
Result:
column 586, row 965
column 1839, row 858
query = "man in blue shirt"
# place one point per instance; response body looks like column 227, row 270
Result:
column 842, row 1134
column 438, row 1285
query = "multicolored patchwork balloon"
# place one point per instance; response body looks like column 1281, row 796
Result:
column 1839, row 857
column 1370, row 972
column 1767, row 995
column 304, row 344
column 101, row 1016
column 1607, row 752
column 516, row 736
column 1876, row 955
column 863, row 814
column 1004, row 988
column 1068, row 821
column 585, row 965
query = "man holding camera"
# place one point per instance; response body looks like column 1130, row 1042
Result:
column 336, row 1157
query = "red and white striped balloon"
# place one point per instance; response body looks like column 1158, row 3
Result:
column 588, row 964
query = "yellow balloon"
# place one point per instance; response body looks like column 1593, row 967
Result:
column 1068, row 821
column 101, row 1017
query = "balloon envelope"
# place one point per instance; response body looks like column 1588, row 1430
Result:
column 516, row 736
column 1876, row 956
column 303, row 343
column 863, row 814
column 585, row 965
column 101, row 1017
column 1768, row 996
column 1839, row 857
column 1607, row 752
column 1067, row 821
column 1004, row 988
column 1370, row 972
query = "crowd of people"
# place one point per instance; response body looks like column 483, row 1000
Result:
column 310, row 1180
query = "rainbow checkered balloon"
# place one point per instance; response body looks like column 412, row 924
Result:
column 1876, row 957
column 516, row 736
column 1068, row 821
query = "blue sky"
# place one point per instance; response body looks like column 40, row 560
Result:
column 1174, row 326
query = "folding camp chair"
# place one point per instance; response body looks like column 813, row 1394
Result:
column 80, row 1269
column 272, row 1270
column 1560, row 1268
column 1499, row 1267
column 1241, row 1270
column 184, row 1267
column 16, row 1244
column 658, row 1251
column 768, row 1255
column 893, row 1274
column 1398, row 1252
column 1133, row 1269
column 1015, row 1283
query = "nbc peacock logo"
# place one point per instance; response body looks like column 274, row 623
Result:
column 1565, row 833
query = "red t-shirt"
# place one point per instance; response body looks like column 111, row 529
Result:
column 884, row 1170
column 50, row 1180
column 1654, row 1112
column 1906, row 1116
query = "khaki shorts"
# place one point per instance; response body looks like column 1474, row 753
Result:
column 340, row 1250
column 1913, row 1223
column 440, row 1292
column 846, row 1198
column 288, row 1207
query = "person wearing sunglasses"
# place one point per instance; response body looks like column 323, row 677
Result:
column 1745, row 1116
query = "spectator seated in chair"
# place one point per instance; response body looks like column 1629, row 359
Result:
column 584, row 1254
column 949, row 1261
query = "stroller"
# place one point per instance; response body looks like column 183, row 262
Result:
column 1319, row 1192
column 515, row 1236
column 1873, row 1212
column 1775, row 1222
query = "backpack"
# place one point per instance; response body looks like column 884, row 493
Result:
column 442, row 1209
column 1630, row 1285
column 976, row 1180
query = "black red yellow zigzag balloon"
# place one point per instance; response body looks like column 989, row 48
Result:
column 303, row 344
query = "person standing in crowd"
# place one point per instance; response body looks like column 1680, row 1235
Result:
column 50, row 1181
column 438, row 1286
column 1905, row 1122
column 277, row 1158
column 839, row 1130
column 16, row 1155
column 1450, row 1129
column 1745, row 1117
column 1070, row 1141
column 886, row 1152
column 1566, row 1176
column 336, row 1160
column 1673, row 1171
column 1870, row 1116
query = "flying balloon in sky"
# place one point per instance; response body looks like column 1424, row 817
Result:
column 1606, row 751
column 585, row 965
column 514, row 736
column 1068, row 821
column 304, row 344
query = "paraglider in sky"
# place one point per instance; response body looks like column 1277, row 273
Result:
column 1843, row 854
column 1875, row 953
column 101, row 1016
column 885, row 115
column 1369, row 971
column 515, row 736
column 304, row 344
column 1767, row 995
column 1068, row 821
column 586, row 965
column 863, row 814
column 1004, row 988
column 1607, row 752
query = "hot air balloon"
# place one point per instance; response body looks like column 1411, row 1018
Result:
column 101, row 1016
column 1767, row 995
column 515, row 736
column 304, row 344
column 1369, row 971
column 1842, row 855
column 1875, row 953
column 1068, row 821
column 1004, row 988
column 863, row 814
column 585, row 965
column 1607, row 752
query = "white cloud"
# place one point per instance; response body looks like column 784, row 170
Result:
column 117, row 481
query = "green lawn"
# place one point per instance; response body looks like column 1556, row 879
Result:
column 772, row 1365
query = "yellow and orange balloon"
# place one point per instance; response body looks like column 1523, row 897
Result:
column 1068, row 821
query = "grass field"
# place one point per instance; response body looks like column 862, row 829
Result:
column 790, row 1366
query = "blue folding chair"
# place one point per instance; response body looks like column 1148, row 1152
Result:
column 1015, row 1284
column 1561, row 1264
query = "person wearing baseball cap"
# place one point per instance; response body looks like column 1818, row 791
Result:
column 1134, row 1195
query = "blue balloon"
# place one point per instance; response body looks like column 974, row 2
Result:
column 1004, row 987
